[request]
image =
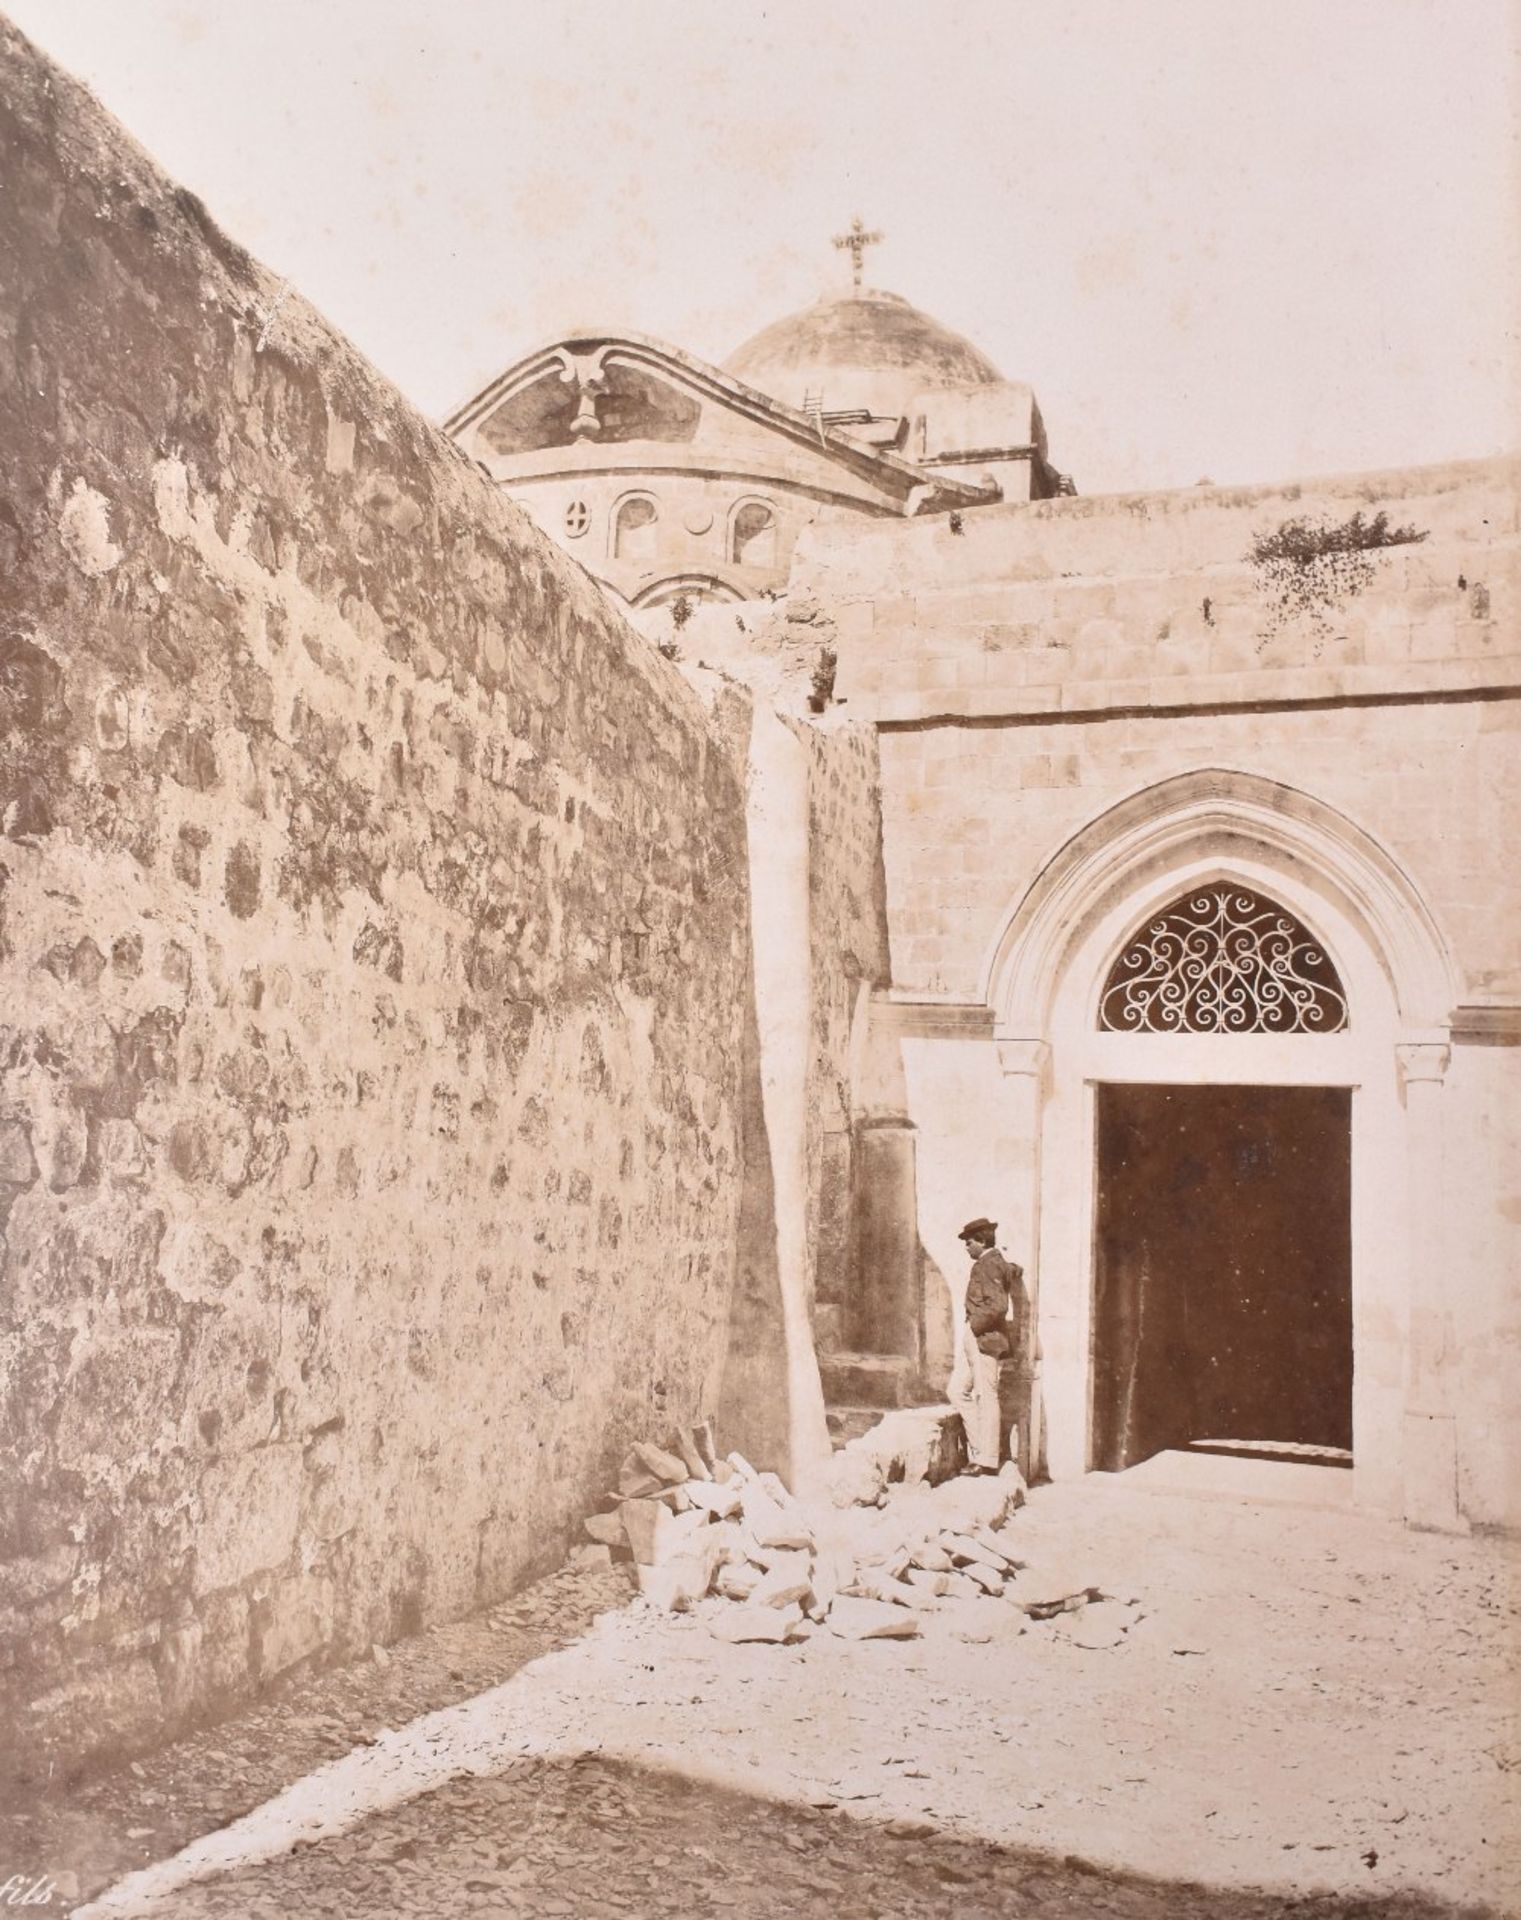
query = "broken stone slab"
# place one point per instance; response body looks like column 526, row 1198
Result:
column 788, row 1582
column 686, row 1446
column 770, row 1525
column 1100, row 1625
column 741, row 1466
column 655, row 1534
column 854, row 1479
column 832, row 1570
column 923, row 1581
column 723, row 1502
column 921, row 1599
column 990, row 1579
column 959, row 1586
column 868, row 1586
column 997, row 1545
column 605, row 1528
column 738, row 1582
column 755, row 1623
column 778, row 1489
column 932, row 1559
column 680, row 1582
column 965, row 1548
column 671, row 1468
column 856, row 1618
column 746, row 1547
column 1043, row 1595
column 965, row 1505
column 705, row 1438
column 591, row 1557
column 639, row 1477
column 636, row 1482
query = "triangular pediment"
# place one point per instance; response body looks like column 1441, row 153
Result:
column 605, row 390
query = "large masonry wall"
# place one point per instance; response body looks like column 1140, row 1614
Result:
column 373, row 971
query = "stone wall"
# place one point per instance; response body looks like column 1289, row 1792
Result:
column 1051, row 658
column 848, row 939
column 1043, row 664
column 373, row 973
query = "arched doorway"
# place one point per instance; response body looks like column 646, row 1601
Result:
column 1222, row 1302
column 1340, row 1112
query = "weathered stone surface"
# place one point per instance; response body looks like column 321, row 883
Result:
column 105, row 1710
column 1042, row 1591
column 655, row 1534
column 606, row 1528
column 853, row 1618
column 738, row 1581
column 755, row 1623
column 722, row 1502
column 682, row 1579
column 341, row 1072
column 18, row 1164
column 964, row 1549
column 925, row 1582
column 872, row 1585
column 771, row 1525
column 648, row 1467
column 250, row 1507
column 789, row 1582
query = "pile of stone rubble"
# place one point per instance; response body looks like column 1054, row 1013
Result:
column 713, row 1535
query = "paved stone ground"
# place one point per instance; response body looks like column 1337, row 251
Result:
column 86, row 1833
column 1313, row 1716
column 589, row 1839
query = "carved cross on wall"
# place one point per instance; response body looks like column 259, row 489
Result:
column 855, row 243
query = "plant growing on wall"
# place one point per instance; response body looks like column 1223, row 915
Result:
column 1308, row 567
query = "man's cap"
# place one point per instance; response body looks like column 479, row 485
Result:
column 978, row 1230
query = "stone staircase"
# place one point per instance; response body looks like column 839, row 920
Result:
column 860, row 1387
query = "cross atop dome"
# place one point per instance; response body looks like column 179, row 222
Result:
column 855, row 242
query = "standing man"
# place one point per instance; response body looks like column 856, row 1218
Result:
column 995, row 1288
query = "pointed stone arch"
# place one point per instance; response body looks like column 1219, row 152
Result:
column 1221, row 816
column 1043, row 978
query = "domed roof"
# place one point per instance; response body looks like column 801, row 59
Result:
column 870, row 350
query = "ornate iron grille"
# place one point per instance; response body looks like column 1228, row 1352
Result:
column 1223, row 961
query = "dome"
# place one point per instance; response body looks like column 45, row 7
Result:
column 869, row 350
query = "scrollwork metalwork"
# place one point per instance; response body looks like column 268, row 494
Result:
column 1223, row 961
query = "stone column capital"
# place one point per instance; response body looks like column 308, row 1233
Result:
column 1027, row 1057
column 1423, row 1061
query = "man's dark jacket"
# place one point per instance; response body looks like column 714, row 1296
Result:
column 994, row 1283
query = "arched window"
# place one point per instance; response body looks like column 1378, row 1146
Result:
column 634, row 528
column 752, row 537
column 1223, row 960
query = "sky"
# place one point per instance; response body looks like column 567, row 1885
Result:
column 1240, row 240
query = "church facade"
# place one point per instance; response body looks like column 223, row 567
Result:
column 1201, row 975
column 1204, row 959
column 668, row 478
